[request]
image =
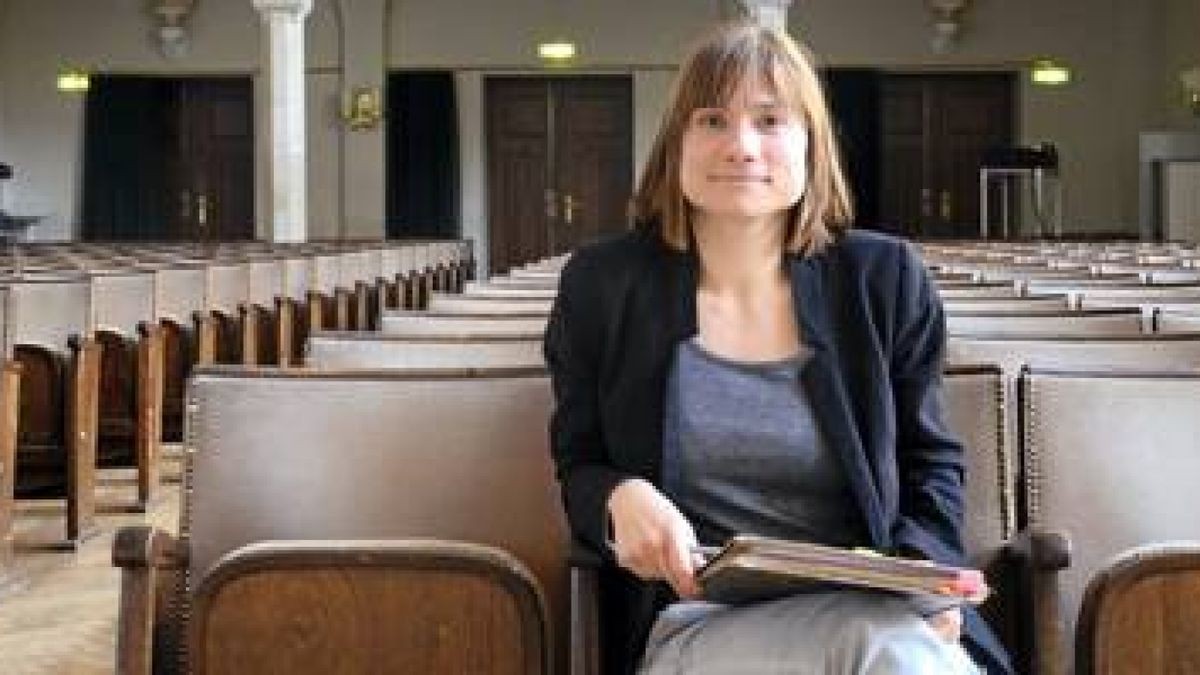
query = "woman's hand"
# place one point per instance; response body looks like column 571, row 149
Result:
column 947, row 623
column 651, row 537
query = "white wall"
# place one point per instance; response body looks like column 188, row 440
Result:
column 493, row 34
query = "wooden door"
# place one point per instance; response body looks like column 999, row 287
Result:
column 593, row 159
column 936, row 128
column 560, row 155
column 215, row 163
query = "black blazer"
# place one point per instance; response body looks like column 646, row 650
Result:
column 871, row 317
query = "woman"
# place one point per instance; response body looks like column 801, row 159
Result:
column 741, row 362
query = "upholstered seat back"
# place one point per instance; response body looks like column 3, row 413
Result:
column 372, row 350
column 438, row 324
column 458, row 304
column 1111, row 461
column 455, row 455
column 1083, row 322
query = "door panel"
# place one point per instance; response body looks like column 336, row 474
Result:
column 559, row 163
column 218, row 139
column 518, row 161
column 193, row 153
column 593, row 120
column 936, row 128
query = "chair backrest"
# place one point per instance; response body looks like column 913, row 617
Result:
column 374, row 350
column 1175, row 321
column 507, row 292
column 453, row 455
column 122, row 300
column 1133, row 351
column 348, row 606
column 974, row 399
column 458, row 304
column 1119, row 321
column 1140, row 613
column 1006, row 304
column 1110, row 460
column 439, row 324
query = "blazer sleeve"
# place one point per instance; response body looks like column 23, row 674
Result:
column 928, row 454
column 573, row 349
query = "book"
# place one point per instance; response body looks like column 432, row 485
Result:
column 751, row 568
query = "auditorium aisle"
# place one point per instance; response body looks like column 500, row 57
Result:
column 59, row 617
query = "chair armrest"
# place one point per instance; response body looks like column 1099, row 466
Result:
column 585, row 609
column 1041, row 550
column 141, row 552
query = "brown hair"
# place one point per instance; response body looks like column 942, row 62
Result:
column 710, row 75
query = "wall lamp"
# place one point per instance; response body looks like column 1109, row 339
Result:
column 362, row 109
column 73, row 81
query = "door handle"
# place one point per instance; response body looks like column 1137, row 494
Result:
column 926, row 205
column 551, row 201
column 947, row 206
column 570, row 203
column 202, row 210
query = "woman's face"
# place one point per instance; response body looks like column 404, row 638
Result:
column 747, row 158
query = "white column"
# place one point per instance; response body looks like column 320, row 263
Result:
column 771, row 13
column 283, row 70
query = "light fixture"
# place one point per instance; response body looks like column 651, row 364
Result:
column 363, row 108
column 73, row 80
column 173, row 39
column 1190, row 80
column 556, row 51
column 1049, row 73
column 947, row 23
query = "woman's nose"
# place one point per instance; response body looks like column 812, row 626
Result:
column 745, row 143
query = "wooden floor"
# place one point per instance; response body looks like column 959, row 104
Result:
column 59, row 614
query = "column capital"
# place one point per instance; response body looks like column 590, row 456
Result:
column 296, row 8
column 771, row 13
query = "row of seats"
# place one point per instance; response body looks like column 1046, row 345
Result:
column 98, row 341
column 404, row 474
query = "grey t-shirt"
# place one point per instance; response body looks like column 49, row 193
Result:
column 742, row 453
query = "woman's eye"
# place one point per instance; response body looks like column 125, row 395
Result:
column 710, row 120
column 770, row 121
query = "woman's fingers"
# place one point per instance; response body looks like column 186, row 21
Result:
column 651, row 537
column 677, row 563
column 947, row 624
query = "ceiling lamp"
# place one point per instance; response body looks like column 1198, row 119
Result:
column 73, row 80
column 1049, row 73
column 556, row 51
column 947, row 23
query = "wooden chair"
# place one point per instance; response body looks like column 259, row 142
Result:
column 290, row 454
column 10, row 400
column 179, row 350
column 46, row 322
column 131, row 405
column 1141, row 613
column 56, row 431
column 1108, row 463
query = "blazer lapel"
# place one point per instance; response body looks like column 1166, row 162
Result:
column 815, row 295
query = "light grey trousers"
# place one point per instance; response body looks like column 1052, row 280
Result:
column 827, row 633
